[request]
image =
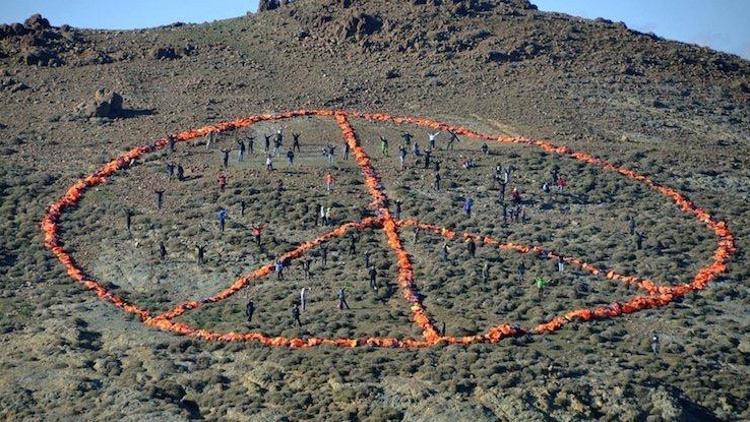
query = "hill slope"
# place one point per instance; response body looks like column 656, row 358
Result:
column 677, row 112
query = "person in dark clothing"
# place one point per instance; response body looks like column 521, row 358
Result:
column 290, row 156
column 373, row 273
column 159, row 197
column 225, row 159
column 162, row 251
column 295, row 143
column 451, row 141
column 631, row 225
column 249, row 310
column 171, row 143
column 505, row 213
column 251, row 144
column 346, row 150
column 128, row 219
column 521, row 270
column 242, row 208
column 427, row 155
column 342, row 300
column 241, row 150
column 180, row 173
column 200, row 251
column 501, row 194
column 407, row 137
column 295, row 315
column 471, row 247
column 267, row 145
column 397, row 213
column 437, row 181
column 306, row 267
column 170, row 169
column 353, row 245
column 485, row 149
column 324, row 255
column 639, row 239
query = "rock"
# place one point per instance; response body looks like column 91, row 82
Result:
column 106, row 103
column 18, row 29
column 392, row 74
column 744, row 346
column 11, row 85
column 167, row 53
column 40, row 57
column 359, row 25
column 36, row 22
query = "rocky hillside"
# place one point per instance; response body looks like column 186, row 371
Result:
column 71, row 99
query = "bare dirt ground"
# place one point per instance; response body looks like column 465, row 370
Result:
column 676, row 112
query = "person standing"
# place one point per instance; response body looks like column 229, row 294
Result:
column 295, row 315
column 180, row 173
column 655, row 343
column 128, row 218
column 222, row 216
column 222, row 181
column 346, row 150
column 560, row 264
column 303, row 295
column 249, row 310
column 427, row 155
column 251, row 144
column 471, row 247
column 431, row 138
column 257, row 231
column 324, row 255
column 241, row 150
column 342, row 300
column 171, row 143
column 279, row 269
column 521, row 270
column 373, row 273
column 437, row 181
column 306, row 267
column 200, row 252
column 159, row 196
column 444, row 252
column 367, row 258
column 383, row 146
column 162, row 251
column 397, row 213
column 486, row 272
column 296, row 146
column 269, row 163
column 290, row 156
column 453, row 139
column 329, row 180
column 225, row 157
column 468, row 204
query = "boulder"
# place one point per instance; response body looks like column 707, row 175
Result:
column 166, row 53
column 36, row 22
column 40, row 56
column 106, row 103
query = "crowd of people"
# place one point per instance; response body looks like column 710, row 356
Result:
column 511, row 200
